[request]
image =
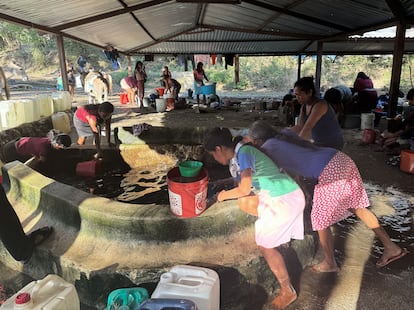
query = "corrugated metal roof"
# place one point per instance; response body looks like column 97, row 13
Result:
column 249, row 27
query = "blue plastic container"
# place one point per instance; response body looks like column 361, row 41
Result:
column 208, row 89
column 127, row 298
column 167, row 303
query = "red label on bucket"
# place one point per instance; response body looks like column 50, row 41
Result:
column 187, row 197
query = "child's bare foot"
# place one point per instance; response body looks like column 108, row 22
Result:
column 285, row 298
column 324, row 267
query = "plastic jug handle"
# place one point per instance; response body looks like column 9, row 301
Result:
column 38, row 287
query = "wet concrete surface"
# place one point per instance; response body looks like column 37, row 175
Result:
column 359, row 284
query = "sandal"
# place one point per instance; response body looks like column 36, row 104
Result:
column 40, row 235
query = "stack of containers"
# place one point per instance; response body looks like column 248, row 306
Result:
column 43, row 106
column 16, row 112
column 62, row 101
column 197, row 284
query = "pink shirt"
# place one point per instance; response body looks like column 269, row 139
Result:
column 361, row 85
column 33, row 146
column 81, row 113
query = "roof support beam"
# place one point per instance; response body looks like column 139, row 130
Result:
column 396, row 68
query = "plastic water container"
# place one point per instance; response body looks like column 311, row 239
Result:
column 126, row 298
column 61, row 122
column 167, row 304
column 16, row 112
column 62, row 101
column 50, row 293
column 198, row 284
column 43, row 106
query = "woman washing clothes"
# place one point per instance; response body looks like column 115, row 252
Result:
column 89, row 120
column 339, row 191
column 317, row 119
column 280, row 201
column 130, row 85
column 34, row 151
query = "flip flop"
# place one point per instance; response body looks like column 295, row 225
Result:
column 317, row 268
column 40, row 235
column 391, row 259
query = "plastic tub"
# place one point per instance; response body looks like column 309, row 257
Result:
column 190, row 168
column 208, row 89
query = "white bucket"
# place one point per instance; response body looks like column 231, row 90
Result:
column 160, row 104
column 367, row 120
column 61, row 122
column 145, row 102
column 198, row 284
column 52, row 293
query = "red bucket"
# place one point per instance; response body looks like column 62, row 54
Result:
column 407, row 161
column 160, row 91
column 369, row 136
column 88, row 168
column 123, row 98
column 187, row 195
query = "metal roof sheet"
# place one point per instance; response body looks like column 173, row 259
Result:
column 195, row 26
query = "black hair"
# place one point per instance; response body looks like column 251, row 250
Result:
column 333, row 96
column 410, row 94
column 362, row 75
column 287, row 97
column 264, row 131
column 306, row 84
column 220, row 136
column 62, row 140
column 106, row 107
column 199, row 65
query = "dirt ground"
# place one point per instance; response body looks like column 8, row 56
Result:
column 365, row 287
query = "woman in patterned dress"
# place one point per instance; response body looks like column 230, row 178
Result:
column 339, row 191
column 280, row 204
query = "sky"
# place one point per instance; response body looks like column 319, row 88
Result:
column 387, row 32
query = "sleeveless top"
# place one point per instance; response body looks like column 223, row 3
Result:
column 327, row 131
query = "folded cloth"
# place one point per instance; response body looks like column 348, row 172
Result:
column 137, row 129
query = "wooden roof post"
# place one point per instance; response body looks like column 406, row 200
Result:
column 318, row 68
column 62, row 61
column 396, row 68
column 236, row 69
column 299, row 66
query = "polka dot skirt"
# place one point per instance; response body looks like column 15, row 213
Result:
column 339, row 188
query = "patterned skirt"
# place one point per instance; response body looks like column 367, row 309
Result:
column 339, row 189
